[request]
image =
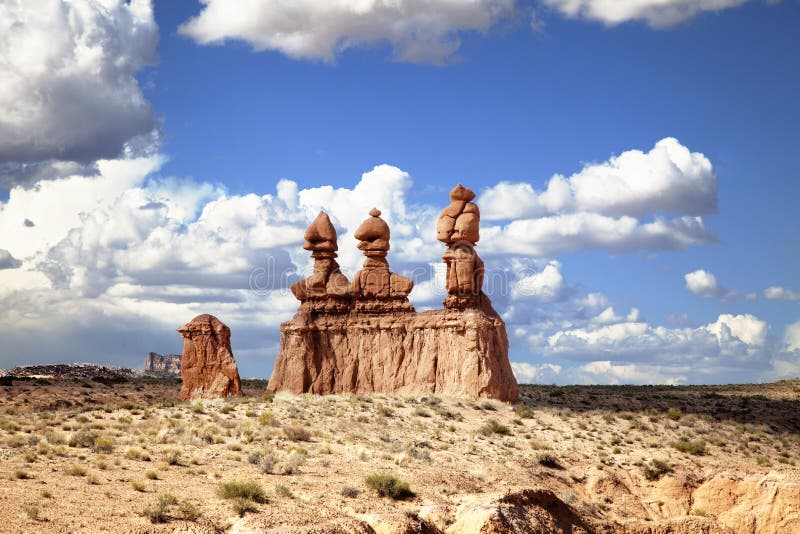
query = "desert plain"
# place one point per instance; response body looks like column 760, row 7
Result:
column 127, row 456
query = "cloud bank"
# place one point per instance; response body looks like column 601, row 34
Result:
column 112, row 263
column 68, row 92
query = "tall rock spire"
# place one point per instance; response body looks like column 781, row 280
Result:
column 459, row 227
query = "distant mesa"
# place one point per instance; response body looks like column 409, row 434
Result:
column 71, row 371
column 366, row 337
column 163, row 364
column 208, row 368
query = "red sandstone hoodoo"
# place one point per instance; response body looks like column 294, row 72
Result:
column 208, row 367
column 366, row 337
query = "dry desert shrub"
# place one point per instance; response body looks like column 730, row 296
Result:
column 389, row 486
column 656, row 469
column 686, row 445
column 493, row 426
column 158, row 513
column 296, row 433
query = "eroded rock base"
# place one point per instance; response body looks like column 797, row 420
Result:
column 443, row 352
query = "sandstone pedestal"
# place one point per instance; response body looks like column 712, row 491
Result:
column 208, row 368
column 443, row 352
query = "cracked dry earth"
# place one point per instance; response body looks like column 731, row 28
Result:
column 89, row 456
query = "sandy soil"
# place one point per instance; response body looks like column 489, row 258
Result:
column 88, row 456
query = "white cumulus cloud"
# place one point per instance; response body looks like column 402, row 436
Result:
column 417, row 30
column 737, row 347
column 542, row 373
column 704, row 284
column 637, row 200
column 793, row 336
column 669, row 178
column 781, row 293
column 656, row 13
column 547, row 284
column 68, row 91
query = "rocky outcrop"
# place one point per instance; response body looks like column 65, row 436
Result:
column 767, row 504
column 532, row 510
column 366, row 337
column 445, row 352
column 208, row 368
column 163, row 364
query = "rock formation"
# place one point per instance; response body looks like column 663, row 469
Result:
column 208, row 368
column 327, row 289
column 375, row 288
column 163, row 364
column 365, row 336
column 458, row 227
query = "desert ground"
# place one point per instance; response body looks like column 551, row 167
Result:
column 106, row 456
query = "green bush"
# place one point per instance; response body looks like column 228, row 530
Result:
column 696, row 447
column 656, row 469
column 250, row 490
column 674, row 414
column 389, row 486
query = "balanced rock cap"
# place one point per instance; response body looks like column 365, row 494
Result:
column 373, row 228
column 462, row 193
column 321, row 235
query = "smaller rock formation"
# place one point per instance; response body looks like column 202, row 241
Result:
column 327, row 289
column 375, row 288
column 208, row 367
column 458, row 227
column 163, row 364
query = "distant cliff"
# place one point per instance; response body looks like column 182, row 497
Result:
column 163, row 364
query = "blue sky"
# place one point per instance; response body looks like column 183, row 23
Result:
column 235, row 127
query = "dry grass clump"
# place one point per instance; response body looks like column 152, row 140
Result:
column 31, row 512
column 243, row 495
column 296, row 433
column 77, row 471
column 493, row 426
column 690, row 446
column 158, row 513
column 523, row 411
column 236, row 489
column 83, row 438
